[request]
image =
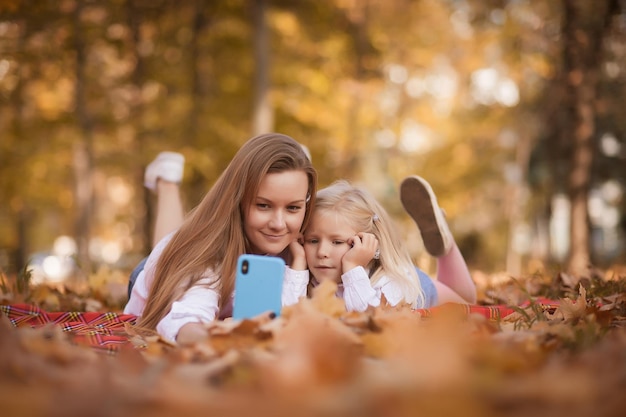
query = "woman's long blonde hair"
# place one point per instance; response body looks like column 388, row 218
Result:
column 212, row 236
column 364, row 214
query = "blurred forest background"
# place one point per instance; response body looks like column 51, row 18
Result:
column 512, row 109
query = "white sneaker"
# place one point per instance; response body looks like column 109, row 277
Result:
column 420, row 202
column 167, row 166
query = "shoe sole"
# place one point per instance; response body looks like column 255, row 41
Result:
column 417, row 199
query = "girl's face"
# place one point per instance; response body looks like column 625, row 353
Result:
column 275, row 217
column 326, row 240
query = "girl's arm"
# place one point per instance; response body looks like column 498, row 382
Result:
column 358, row 293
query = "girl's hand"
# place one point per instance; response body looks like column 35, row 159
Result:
column 364, row 246
column 298, row 256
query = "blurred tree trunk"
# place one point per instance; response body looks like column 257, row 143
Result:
column 198, row 24
column 201, row 9
column 356, row 151
column 263, row 114
column 17, row 204
column 82, row 149
column 516, row 191
column 137, row 113
column 584, row 27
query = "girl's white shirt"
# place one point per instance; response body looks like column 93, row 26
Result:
column 200, row 303
column 359, row 293
column 357, row 290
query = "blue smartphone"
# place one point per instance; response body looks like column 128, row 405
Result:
column 258, row 285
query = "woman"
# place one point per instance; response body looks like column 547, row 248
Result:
column 260, row 205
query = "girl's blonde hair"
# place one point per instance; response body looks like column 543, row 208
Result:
column 212, row 236
column 364, row 214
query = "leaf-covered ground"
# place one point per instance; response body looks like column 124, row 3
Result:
column 316, row 359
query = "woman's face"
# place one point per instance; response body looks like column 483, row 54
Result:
column 274, row 218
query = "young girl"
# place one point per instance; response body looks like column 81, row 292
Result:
column 260, row 204
column 352, row 241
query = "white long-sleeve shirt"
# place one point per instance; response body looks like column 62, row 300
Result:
column 359, row 293
column 357, row 290
column 200, row 303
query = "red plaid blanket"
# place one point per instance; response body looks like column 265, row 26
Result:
column 106, row 332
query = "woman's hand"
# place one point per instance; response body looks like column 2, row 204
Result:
column 364, row 247
column 192, row 333
column 298, row 255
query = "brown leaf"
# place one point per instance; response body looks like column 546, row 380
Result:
column 313, row 350
column 568, row 280
column 240, row 334
column 325, row 299
column 571, row 310
column 426, row 352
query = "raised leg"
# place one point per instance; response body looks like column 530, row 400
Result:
column 454, row 282
column 163, row 176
